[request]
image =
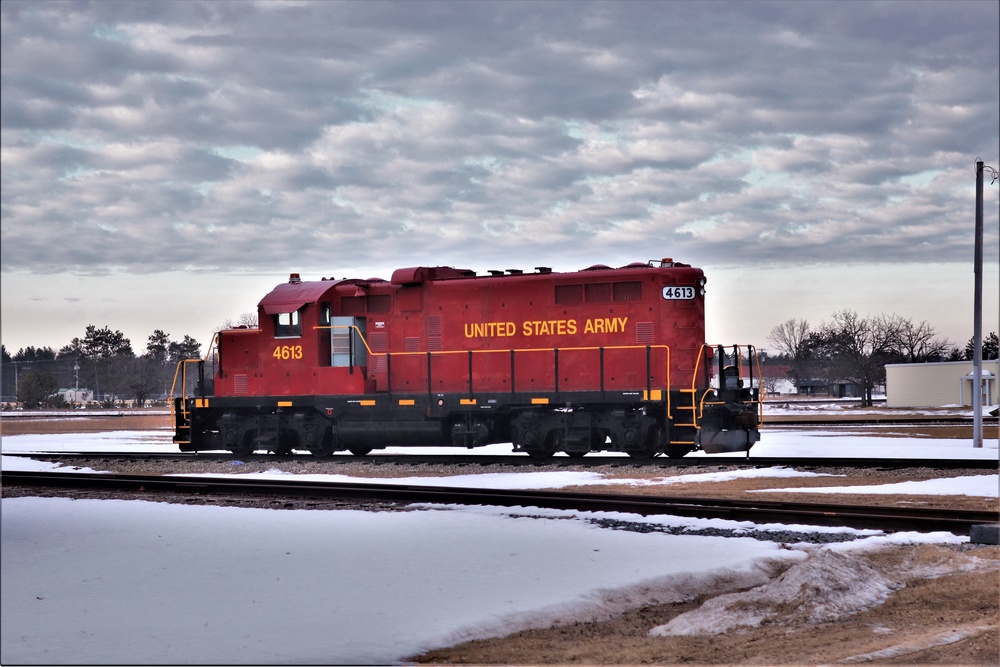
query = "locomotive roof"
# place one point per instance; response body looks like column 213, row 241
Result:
column 289, row 297
column 292, row 295
column 418, row 274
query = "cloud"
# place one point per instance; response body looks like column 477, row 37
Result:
column 157, row 136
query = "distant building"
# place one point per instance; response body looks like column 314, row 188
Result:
column 81, row 395
column 813, row 388
column 776, row 380
column 831, row 389
column 936, row 384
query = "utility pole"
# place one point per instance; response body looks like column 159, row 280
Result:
column 977, row 318
column 977, row 344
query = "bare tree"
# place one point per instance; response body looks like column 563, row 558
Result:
column 858, row 348
column 770, row 384
column 246, row 320
column 789, row 336
column 917, row 343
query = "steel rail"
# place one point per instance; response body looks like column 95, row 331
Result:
column 522, row 460
column 883, row 518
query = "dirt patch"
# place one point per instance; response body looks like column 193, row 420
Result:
column 85, row 422
column 940, row 606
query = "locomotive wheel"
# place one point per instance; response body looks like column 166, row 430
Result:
column 654, row 441
column 678, row 451
column 321, row 451
column 325, row 448
column 246, row 448
column 359, row 451
column 545, row 451
column 247, row 445
column 539, row 453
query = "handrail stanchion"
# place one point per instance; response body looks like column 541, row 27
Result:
column 602, row 372
column 470, row 373
column 512, row 371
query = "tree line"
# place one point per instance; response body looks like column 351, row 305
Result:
column 102, row 361
column 847, row 347
column 852, row 348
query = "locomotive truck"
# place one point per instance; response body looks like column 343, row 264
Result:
column 602, row 359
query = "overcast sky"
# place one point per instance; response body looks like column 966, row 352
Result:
column 165, row 164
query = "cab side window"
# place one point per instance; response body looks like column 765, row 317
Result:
column 287, row 325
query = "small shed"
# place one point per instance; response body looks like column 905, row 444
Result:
column 936, row 384
column 813, row 388
column 969, row 388
column 78, row 395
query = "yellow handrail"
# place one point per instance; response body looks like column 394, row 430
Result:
column 181, row 370
column 697, row 406
column 368, row 348
column 738, row 352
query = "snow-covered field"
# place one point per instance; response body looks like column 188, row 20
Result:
column 103, row 581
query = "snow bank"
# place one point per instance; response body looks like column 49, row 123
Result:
column 831, row 584
column 824, row 588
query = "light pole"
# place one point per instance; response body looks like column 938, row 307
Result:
column 977, row 320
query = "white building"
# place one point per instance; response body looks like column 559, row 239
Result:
column 936, row 384
column 79, row 395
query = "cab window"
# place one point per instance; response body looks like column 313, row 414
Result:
column 287, row 325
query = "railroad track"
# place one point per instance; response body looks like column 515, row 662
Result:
column 521, row 460
column 889, row 519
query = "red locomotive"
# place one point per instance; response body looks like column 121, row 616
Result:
column 602, row 359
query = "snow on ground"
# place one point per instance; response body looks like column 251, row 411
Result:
column 102, row 581
column 532, row 480
column 854, row 443
column 973, row 485
column 110, row 441
column 175, row 584
column 777, row 406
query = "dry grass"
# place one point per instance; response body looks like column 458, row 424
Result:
column 86, row 422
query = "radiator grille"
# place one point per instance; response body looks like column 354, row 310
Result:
column 597, row 292
column 569, row 294
column 628, row 291
column 379, row 341
column 644, row 333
